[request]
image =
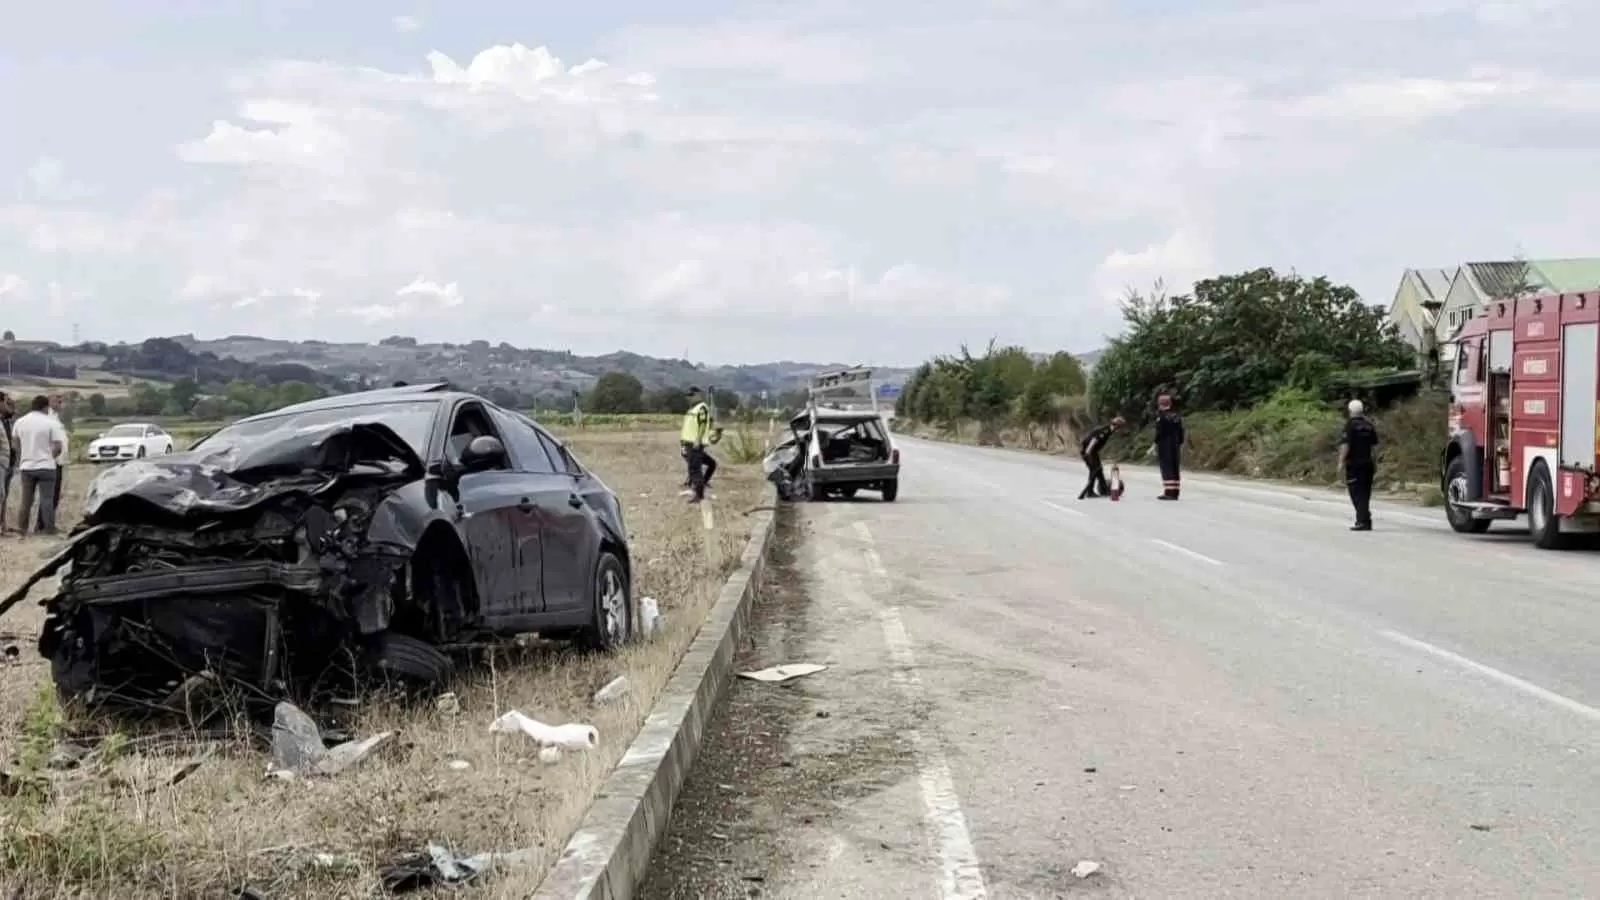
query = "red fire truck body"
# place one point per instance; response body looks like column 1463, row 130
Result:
column 1525, row 418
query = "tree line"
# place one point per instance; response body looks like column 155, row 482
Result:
column 1231, row 343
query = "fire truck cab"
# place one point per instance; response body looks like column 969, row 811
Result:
column 1525, row 418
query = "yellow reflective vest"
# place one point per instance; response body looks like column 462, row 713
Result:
column 696, row 425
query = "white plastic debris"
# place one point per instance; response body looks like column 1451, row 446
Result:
column 650, row 619
column 615, row 689
column 550, row 755
column 784, row 672
column 459, row 765
column 297, row 745
column 1085, row 868
column 572, row 736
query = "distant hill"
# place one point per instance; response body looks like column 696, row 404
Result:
column 1087, row 360
column 536, row 377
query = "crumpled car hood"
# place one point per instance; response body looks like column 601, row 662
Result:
column 240, row 476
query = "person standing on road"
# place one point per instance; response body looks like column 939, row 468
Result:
column 1358, row 462
column 1169, row 447
column 41, row 440
column 696, row 433
column 1090, row 451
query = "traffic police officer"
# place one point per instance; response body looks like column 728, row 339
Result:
column 1169, row 447
column 697, row 431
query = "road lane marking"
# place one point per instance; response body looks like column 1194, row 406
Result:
column 1186, row 552
column 874, row 561
column 1066, row 509
column 961, row 877
column 1505, row 678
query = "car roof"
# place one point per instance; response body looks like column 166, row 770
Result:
column 837, row 415
column 437, row 391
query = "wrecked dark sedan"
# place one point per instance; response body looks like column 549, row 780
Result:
column 363, row 533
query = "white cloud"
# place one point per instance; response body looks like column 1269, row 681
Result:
column 11, row 284
column 445, row 295
column 741, row 187
column 1176, row 262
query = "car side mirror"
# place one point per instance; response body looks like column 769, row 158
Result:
column 483, row 452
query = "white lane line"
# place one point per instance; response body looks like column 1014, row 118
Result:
column 1065, row 509
column 1186, row 552
column 874, row 561
column 1505, row 678
column 961, row 877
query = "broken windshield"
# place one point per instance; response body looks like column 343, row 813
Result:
column 412, row 420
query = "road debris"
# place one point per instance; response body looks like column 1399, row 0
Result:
column 298, row 747
column 572, row 736
column 447, row 703
column 784, row 672
column 1085, row 868
column 433, row 867
column 651, row 622
column 614, row 690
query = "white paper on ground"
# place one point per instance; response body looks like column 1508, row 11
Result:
column 614, row 689
column 572, row 736
column 783, row 672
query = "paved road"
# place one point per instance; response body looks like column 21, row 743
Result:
column 1227, row 696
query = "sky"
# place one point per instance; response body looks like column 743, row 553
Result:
column 747, row 181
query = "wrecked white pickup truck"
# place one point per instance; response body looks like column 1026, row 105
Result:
column 364, row 533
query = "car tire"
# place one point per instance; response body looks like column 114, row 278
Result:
column 140, row 454
column 815, row 492
column 1543, row 525
column 1461, row 520
column 166, row 451
column 614, row 616
column 891, row 490
column 404, row 658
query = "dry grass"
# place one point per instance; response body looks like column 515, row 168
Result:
column 115, row 826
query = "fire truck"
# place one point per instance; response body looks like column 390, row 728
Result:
column 1525, row 418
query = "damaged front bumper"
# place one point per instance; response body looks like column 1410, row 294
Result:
column 266, row 627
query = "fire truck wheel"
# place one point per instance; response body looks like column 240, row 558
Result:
column 1461, row 520
column 1542, row 522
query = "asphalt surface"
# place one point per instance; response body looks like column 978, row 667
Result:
column 1227, row 696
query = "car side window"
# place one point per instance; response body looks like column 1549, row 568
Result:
column 557, row 452
column 524, row 444
column 470, row 421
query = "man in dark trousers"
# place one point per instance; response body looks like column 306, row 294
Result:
column 699, row 429
column 1359, row 462
column 1169, row 446
column 1090, row 451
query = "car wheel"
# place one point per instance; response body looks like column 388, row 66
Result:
column 411, row 660
column 891, row 490
column 815, row 491
column 167, row 450
column 1461, row 520
column 1542, row 522
column 140, row 454
column 613, row 622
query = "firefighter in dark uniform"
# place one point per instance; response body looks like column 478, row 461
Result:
column 1359, row 462
column 1090, row 451
column 1169, row 446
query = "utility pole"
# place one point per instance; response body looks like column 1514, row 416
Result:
column 75, row 339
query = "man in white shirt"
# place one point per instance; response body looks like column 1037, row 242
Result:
column 40, row 440
column 62, row 458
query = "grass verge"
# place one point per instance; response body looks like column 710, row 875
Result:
column 165, row 816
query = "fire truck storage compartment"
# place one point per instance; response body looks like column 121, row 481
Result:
column 1580, row 378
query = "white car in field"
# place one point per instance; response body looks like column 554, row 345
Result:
column 133, row 440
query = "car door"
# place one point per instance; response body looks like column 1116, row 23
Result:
column 505, row 562
column 149, row 442
column 571, row 537
column 541, row 493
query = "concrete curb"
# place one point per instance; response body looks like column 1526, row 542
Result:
column 608, row 855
